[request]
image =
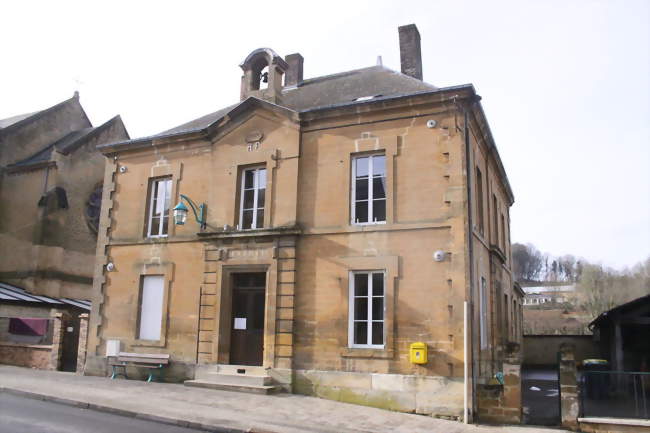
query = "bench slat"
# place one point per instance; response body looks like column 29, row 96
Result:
column 144, row 355
column 143, row 360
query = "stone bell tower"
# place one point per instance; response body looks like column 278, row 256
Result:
column 263, row 71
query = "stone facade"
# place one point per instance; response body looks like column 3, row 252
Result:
column 49, row 170
column 308, row 246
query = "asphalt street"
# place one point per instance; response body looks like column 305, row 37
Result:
column 26, row 415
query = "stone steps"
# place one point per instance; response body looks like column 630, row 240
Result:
column 242, row 378
column 253, row 389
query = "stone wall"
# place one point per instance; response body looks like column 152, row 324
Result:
column 543, row 349
column 501, row 403
column 427, row 395
column 25, row 355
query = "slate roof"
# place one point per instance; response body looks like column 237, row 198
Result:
column 623, row 308
column 14, row 119
column 12, row 293
column 325, row 91
column 64, row 145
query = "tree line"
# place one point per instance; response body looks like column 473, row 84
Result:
column 598, row 288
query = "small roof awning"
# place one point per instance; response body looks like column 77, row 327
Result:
column 9, row 292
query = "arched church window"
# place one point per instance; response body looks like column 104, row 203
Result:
column 93, row 208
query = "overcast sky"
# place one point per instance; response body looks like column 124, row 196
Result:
column 565, row 85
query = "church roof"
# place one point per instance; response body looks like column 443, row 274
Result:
column 4, row 123
column 66, row 144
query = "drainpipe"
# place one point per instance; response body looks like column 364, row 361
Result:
column 465, row 366
column 470, row 246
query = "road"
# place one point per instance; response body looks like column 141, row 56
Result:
column 26, row 415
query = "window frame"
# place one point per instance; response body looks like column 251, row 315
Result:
column 370, row 319
column 370, row 199
column 256, row 188
column 167, row 181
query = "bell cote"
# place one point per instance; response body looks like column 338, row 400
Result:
column 263, row 71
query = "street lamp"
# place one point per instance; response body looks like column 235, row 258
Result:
column 180, row 212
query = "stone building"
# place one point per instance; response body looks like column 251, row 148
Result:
column 339, row 219
column 50, row 189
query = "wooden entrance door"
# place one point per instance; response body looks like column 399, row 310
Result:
column 247, row 323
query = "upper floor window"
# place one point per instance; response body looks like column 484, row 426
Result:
column 479, row 200
column 366, row 320
column 253, row 191
column 160, row 191
column 495, row 213
column 369, row 189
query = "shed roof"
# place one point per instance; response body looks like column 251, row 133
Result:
column 623, row 308
column 12, row 293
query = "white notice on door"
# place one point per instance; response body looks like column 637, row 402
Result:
column 240, row 323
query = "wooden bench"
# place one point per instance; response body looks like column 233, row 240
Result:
column 153, row 361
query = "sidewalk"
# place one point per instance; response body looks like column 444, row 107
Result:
column 222, row 411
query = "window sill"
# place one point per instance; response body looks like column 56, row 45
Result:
column 368, row 224
column 148, row 343
column 351, row 352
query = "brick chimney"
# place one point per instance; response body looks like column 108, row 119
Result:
column 293, row 75
column 409, row 51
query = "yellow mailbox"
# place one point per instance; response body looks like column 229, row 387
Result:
column 418, row 353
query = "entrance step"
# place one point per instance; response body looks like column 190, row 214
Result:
column 254, row 389
column 244, row 378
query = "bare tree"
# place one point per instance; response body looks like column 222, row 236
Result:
column 528, row 262
column 600, row 289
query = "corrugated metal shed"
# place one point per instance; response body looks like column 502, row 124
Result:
column 13, row 293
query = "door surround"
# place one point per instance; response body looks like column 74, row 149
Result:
column 270, row 252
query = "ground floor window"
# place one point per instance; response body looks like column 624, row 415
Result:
column 151, row 307
column 367, row 309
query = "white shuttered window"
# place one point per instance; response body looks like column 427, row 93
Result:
column 151, row 307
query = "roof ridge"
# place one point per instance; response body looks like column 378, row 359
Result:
column 38, row 114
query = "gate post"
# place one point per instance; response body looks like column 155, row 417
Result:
column 83, row 338
column 57, row 340
column 569, row 407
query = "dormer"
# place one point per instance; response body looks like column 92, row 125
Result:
column 263, row 71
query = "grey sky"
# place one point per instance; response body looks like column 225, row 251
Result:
column 565, row 85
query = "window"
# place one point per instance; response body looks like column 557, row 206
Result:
column 495, row 212
column 503, row 233
column 366, row 315
column 483, row 313
column 160, row 191
column 506, row 327
column 514, row 319
column 253, row 191
column 479, row 200
column 151, row 307
column 369, row 189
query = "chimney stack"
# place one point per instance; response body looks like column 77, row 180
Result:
column 293, row 76
column 409, row 51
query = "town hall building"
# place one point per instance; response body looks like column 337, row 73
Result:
column 345, row 236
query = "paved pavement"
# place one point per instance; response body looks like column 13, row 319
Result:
column 27, row 415
column 214, row 410
column 540, row 395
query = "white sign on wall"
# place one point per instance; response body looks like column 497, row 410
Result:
column 240, row 323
